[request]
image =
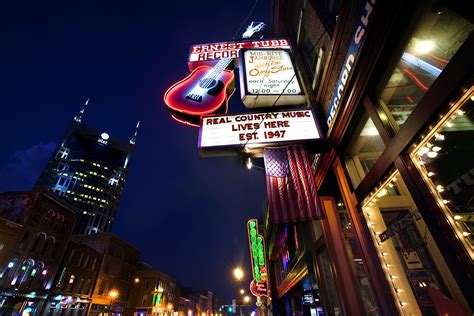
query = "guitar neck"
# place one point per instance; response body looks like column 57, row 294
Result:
column 219, row 67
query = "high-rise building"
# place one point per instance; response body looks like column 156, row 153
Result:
column 89, row 168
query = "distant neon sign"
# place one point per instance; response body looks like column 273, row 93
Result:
column 259, row 285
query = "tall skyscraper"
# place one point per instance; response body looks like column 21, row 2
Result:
column 89, row 168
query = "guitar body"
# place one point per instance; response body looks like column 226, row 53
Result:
column 197, row 95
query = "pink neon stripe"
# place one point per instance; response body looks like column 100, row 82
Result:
column 416, row 79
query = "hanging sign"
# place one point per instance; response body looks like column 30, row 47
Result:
column 356, row 42
column 202, row 54
column 267, row 77
column 257, row 130
column 205, row 91
column 259, row 284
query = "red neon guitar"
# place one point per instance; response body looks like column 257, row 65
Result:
column 206, row 90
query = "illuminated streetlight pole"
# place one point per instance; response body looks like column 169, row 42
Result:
column 113, row 294
column 239, row 276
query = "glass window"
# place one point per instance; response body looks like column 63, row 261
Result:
column 330, row 10
column 331, row 188
column 363, row 149
column 70, row 284
column 295, row 15
column 445, row 159
column 438, row 36
column 330, row 283
column 406, row 249
column 313, row 54
column 308, row 46
column 289, row 251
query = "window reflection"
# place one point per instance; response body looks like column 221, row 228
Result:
column 435, row 41
column 328, row 279
column 363, row 149
column 445, row 160
column 407, row 251
column 356, row 259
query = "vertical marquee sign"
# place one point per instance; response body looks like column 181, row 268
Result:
column 259, row 284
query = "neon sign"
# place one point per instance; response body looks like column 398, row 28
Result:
column 211, row 83
column 259, row 285
column 205, row 91
column 209, row 52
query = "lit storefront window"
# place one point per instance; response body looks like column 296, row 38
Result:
column 290, row 250
column 406, row 249
column 445, row 159
column 363, row 149
column 354, row 251
column 438, row 36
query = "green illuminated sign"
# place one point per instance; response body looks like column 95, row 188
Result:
column 257, row 256
column 156, row 301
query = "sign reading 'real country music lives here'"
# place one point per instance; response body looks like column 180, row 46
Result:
column 267, row 77
column 258, row 129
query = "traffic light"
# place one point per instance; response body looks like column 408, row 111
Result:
column 233, row 306
column 229, row 309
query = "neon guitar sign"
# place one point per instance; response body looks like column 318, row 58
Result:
column 207, row 89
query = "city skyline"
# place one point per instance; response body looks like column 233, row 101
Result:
column 125, row 84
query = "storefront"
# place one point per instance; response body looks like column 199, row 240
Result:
column 295, row 290
column 25, row 304
column 397, row 184
column 67, row 305
column 402, row 160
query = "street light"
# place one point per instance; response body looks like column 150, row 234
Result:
column 247, row 299
column 242, row 291
column 238, row 274
column 113, row 294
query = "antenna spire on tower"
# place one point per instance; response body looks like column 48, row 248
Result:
column 134, row 137
column 78, row 117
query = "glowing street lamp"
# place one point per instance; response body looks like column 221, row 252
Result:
column 242, row 291
column 247, row 299
column 238, row 274
column 113, row 294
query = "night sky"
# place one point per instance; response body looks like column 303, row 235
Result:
column 185, row 214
